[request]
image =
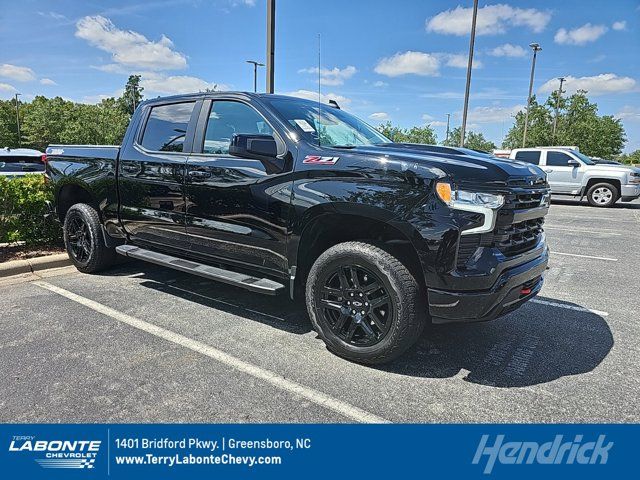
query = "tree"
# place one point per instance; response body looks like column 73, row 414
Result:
column 424, row 134
column 8, row 126
column 578, row 124
column 472, row 140
column 44, row 121
column 132, row 95
column 632, row 158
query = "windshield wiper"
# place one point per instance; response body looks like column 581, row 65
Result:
column 346, row 147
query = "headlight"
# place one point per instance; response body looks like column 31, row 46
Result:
column 478, row 202
column 634, row 177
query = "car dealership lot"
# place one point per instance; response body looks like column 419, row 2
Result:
column 144, row 344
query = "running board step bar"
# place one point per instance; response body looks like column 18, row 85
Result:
column 255, row 284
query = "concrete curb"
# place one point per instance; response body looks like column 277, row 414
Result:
column 29, row 265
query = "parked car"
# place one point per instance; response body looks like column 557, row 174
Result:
column 268, row 192
column 16, row 162
column 570, row 172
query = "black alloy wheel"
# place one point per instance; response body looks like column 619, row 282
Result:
column 356, row 305
column 79, row 239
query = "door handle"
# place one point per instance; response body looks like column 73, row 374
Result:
column 199, row 174
column 131, row 168
column 548, row 170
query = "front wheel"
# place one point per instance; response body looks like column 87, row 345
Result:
column 364, row 303
column 602, row 195
column 84, row 241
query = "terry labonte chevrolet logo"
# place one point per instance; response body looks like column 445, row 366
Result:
column 57, row 453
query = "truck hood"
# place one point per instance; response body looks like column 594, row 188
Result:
column 472, row 168
column 612, row 168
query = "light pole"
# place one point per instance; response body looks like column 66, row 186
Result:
column 469, row 65
column 271, row 43
column 555, row 118
column 18, row 119
column 447, row 136
column 255, row 73
column 536, row 48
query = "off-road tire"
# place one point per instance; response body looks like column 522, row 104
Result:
column 96, row 256
column 406, row 296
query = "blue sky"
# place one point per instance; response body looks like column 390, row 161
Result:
column 404, row 61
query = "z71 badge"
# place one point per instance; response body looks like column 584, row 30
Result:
column 318, row 160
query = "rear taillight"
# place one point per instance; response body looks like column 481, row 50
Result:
column 43, row 158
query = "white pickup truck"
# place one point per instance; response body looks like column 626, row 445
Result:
column 570, row 172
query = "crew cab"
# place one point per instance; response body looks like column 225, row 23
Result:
column 272, row 193
column 570, row 172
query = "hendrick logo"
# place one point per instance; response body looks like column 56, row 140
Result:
column 553, row 452
column 58, row 453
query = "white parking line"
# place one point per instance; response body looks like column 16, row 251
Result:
column 576, row 230
column 570, row 307
column 608, row 259
column 319, row 398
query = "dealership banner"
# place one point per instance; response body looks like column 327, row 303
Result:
column 334, row 451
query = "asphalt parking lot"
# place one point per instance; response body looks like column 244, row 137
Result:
column 144, row 344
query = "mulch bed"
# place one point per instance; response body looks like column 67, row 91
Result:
column 21, row 252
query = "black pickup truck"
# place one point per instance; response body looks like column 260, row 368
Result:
column 268, row 193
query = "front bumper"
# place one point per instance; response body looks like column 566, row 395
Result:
column 513, row 288
column 629, row 192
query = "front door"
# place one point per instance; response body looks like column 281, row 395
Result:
column 151, row 177
column 562, row 177
column 237, row 208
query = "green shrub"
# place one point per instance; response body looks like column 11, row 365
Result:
column 23, row 203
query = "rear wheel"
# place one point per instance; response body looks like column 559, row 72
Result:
column 84, row 241
column 364, row 303
column 602, row 195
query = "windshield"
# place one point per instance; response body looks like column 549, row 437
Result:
column 584, row 158
column 326, row 125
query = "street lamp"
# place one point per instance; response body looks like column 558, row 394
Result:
column 555, row 118
column 18, row 119
column 536, row 48
column 255, row 73
column 447, row 135
column 469, row 65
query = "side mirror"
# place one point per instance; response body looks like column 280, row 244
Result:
column 256, row 146
column 573, row 163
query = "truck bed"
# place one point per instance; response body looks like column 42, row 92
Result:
column 107, row 152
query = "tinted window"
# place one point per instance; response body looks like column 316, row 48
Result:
column 558, row 159
column 530, row 156
column 227, row 118
column 167, row 127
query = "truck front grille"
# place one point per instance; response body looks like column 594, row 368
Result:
column 512, row 239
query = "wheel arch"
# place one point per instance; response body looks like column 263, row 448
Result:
column 69, row 194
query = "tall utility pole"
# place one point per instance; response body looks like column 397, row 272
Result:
column 255, row 73
column 447, row 136
column 536, row 48
column 555, row 118
column 469, row 65
column 271, row 42
column 18, row 119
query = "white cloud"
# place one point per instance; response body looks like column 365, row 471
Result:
column 621, row 25
column 438, row 123
column 246, row 3
column 169, row 85
column 629, row 113
column 334, row 76
column 5, row 87
column 53, row 15
column 379, row 116
column 493, row 113
column 417, row 63
column 324, row 98
column 380, row 84
column 460, row 60
column 508, row 50
column 128, row 48
column 47, row 81
column 595, row 85
column 20, row 74
column 492, row 19
column 580, row 36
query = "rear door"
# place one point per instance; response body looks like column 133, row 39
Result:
column 237, row 208
column 562, row 177
column 151, row 175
